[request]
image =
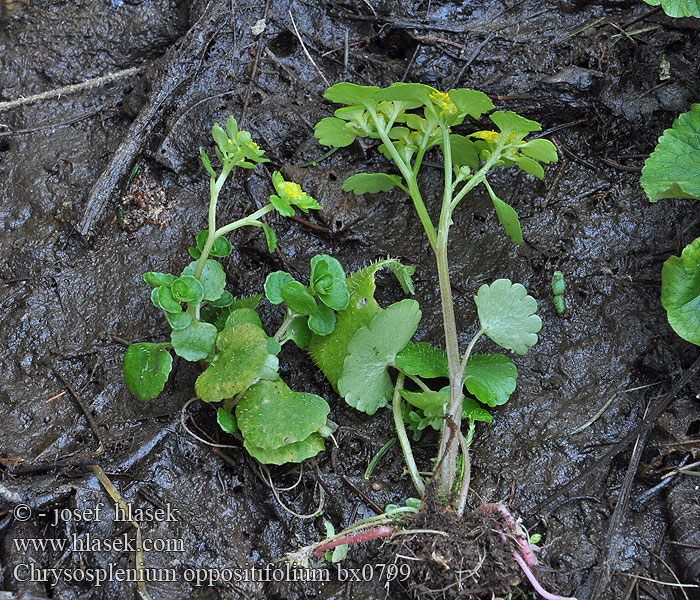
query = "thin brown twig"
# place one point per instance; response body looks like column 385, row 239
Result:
column 86, row 411
column 70, row 89
column 306, row 52
column 256, row 65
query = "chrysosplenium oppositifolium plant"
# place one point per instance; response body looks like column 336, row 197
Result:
column 226, row 335
column 408, row 120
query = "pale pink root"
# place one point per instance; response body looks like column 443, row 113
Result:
column 533, row 580
column 358, row 538
column 528, row 550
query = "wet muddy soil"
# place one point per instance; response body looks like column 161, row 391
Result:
column 589, row 72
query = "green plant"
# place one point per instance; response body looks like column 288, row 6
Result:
column 673, row 171
column 678, row 8
column 226, row 335
column 408, row 120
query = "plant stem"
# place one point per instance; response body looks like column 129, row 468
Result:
column 291, row 315
column 403, row 438
column 410, row 178
column 217, row 233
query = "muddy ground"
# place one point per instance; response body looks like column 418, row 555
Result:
column 69, row 302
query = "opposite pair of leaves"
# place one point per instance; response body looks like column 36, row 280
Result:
column 147, row 368
column 673, row 169
column 491, row 378
column 280, row 425
column 282, row 287
column 329, row 352
column 680, row 292
column 245, row 356
column 433, row 406
column 221, row 248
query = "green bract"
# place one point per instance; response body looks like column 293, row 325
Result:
column 680, row 292
column 673, row 169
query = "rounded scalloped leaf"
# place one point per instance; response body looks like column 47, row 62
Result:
column 240, row 362
column 213, row 278
column 351, row 93
column 195, row 342
column 291, row 453
column 491, row 378
column 146, row 369
column 365, row 383
column 270, row 415
column 673, row 169
column 680, row 292
column 424, row 360
column 507, row 315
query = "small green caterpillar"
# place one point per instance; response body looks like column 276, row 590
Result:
column 558, row 288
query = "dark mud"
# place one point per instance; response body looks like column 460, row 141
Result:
column 67, row 305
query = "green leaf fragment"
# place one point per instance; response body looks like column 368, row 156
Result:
column 213, row 278
column 471, row 102
column 273, row 286
column 243, row 315
column 322, row 322
column 299, row 332
column 464, row 152
column 540, row 149
column 226, row 420
column 511, row 123
column 162, row 297
column 673, row 169
column 365, row 383
column 328, row 281
column 507, row 315
column 270, row 238
column 509, row 219
column 351, row 93
column 222, row 247
column 291, row 453
column 678, row 8
column 329, row 352
column 206, row 161
column 226, row 299
column 532, row 167
column 423, row 360
column 491, row 378
column 195, row 342
column 187, row 289
column 298, row 298
column 371, row 183
column 179, row 320
column 680, row 292
column 471, row 409
column 335, row 132
column 146, row 369
column 271, row 415
column 242, row 357
column 158, row 279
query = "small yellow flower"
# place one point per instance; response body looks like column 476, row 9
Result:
column 291, row 190
column 489, row 136
column 444, row 102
